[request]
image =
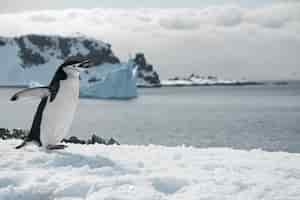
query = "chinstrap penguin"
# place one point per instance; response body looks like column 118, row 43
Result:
column 57, row 107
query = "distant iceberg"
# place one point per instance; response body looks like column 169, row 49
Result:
column 109, row 81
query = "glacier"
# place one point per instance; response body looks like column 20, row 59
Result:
column 126, row 172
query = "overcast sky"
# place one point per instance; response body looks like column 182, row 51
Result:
column 17, row 5
column 256, row 39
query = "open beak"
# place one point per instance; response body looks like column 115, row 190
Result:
column 85, row 64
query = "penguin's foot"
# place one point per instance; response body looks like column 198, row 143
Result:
column 56, row 146
column 21, row 145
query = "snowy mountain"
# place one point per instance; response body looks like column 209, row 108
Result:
column 34, row 58
column 146, row 75
column 125, row 172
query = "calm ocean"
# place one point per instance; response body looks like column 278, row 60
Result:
column 244, row 117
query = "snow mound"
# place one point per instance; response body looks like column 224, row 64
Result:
column 146, row 172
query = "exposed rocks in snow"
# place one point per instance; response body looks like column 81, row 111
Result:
column 35, row 50
column 147, row 76
column 6, row 134
column 93, row 140
column 112, row 141
column 36, row 57
column 12, row 134
column 74, row 140
column 28, row 56
column 196, row 80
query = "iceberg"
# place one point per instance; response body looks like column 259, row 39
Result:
column 116, row 81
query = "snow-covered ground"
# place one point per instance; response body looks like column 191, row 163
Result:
column 94, row 172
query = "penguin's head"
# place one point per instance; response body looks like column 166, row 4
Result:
column 73, row 66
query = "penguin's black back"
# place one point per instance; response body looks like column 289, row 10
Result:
column 55, row 83
column 35, row 131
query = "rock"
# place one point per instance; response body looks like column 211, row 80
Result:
column 112, row 141
column 96, row 140
column 2, row 43
column 15, row 133
column 146, row 75
column 21, row 134
column 74, row 140
column 4, row 133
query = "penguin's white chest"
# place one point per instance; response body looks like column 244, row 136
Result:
column 58, row 114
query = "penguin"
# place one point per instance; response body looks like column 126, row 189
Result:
column 55, row 112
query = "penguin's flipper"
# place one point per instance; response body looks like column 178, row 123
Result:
column 39, row 92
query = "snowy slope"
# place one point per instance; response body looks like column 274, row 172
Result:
column 151, row 172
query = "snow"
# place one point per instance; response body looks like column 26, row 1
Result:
column 125, row 172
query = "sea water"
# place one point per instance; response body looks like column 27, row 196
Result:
column 243, row 117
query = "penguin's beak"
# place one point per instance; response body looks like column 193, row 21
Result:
column 85, row 64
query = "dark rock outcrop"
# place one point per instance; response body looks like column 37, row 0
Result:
column 6, row 134
column 146, row 75
column 112, row 141
column 14, row 133
column 35, row 50
column 27, row 55
column 2, row 42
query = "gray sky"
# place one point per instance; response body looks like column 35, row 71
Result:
column 17, row 5
column 256, row 39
